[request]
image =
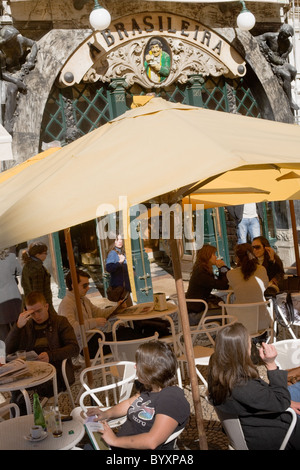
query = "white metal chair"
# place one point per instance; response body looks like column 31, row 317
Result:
column 209, row 327
column 120, row 350
column 288, row 353
column 233, row 429
column 251, row 316
column 99, row 394
column 8, row 408
column 174, row 298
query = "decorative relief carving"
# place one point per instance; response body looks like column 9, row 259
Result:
column 128, row 62
column 284, row 235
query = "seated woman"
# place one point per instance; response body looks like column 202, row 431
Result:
column 270, row 260
column 234, row 387
column 157, row 411
column 249, row 280
column 203, row 281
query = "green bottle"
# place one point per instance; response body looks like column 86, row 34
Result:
column 38, row 415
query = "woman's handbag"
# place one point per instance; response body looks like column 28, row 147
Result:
column 116, row 293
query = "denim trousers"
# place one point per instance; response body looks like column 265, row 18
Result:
column 249, row 227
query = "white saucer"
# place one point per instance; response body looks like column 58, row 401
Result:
column 31, row 439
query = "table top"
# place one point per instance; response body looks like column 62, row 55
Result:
column 145, row 311
column 13, row 432
column 40, row 372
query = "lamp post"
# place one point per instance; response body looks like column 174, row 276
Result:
column 246, row 19
column 99, row 18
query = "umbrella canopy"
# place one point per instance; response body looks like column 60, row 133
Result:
column 273, row 182
column 5, row 175
column 161, row 149
column 152, row 150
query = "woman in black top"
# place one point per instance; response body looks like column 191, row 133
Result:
column 155, row 412
column 203, row 280
column 234, row 387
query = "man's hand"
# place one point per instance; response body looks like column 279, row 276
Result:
column 43, row 357
column 101, row 321
column 24, row 317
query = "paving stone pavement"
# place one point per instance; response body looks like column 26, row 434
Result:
column 163, row 281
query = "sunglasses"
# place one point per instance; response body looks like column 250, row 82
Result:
column 256, row 247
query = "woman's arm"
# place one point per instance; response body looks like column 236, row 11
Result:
column 114, row 412
column 112, row 262
column 162, row 428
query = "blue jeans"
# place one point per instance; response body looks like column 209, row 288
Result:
column 248, row 226
column 295, row 391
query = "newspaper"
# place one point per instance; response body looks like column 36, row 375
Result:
column 13, row 370
column 93, row 429
column 30, row 356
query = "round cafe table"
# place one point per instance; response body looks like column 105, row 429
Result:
column 145, row 311
column 13, row 432
column 37, row 373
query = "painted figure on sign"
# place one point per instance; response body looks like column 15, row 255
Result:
column 157, row 62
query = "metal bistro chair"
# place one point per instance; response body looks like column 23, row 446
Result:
column 288, row 353
column 120, row 351
column 233, row 429
column 249, row 315
column 99, row 394
column 208, row 329
column 81, row 359
column 8, row 407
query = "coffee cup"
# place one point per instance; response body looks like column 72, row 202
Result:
column 21, row 354
column 160, row 302
column 36, row 432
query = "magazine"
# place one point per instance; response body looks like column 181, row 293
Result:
column 12, row 371
column 30, row 356
column 93, row 429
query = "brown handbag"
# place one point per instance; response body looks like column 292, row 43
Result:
column 116, row 293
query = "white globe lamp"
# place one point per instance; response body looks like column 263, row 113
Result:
column 99, row 18
column 246, row 19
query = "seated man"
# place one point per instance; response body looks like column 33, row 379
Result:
column 94, row 317
column 50, row 336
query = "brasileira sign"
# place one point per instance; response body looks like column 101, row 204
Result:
column 151, row 48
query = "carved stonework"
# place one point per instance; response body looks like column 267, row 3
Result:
column 151, row 49
column 128, row 61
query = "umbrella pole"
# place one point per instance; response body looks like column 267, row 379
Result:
column 187, row 337
column 70, row 253
column 295, row 236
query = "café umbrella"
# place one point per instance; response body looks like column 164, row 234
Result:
column 159, row 152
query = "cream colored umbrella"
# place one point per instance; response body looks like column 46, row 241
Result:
column 159, row 152
column 149, row 151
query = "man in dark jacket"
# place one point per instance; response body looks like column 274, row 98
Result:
column 50, row 336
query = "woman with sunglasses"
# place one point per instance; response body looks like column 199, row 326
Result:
column 270, row 260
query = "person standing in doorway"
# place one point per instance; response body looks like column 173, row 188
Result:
column 247, row 219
